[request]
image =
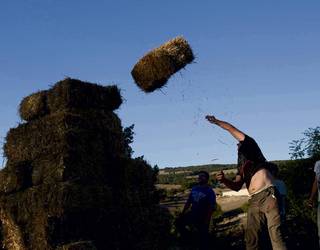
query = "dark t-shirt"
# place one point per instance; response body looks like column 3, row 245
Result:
column 249, row 150
column 202, row 198
column 250, row 159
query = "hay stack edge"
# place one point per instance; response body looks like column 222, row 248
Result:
column 70, row 181
column 154, row 69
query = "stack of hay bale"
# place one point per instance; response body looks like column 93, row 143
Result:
column 68, row 182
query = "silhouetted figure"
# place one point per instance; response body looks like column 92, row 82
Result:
column 195, row 218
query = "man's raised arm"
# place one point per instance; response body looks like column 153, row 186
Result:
column 236, row 133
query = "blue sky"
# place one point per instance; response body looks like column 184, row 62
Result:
column 257, row 66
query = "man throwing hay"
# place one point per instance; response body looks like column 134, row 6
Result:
column 263, row 203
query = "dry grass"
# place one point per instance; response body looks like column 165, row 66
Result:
column 80, row 245
column 154, row 69
column 62, row 132
column 70, row 94
column 168, row 186
column 68, row 178
column 12, row 234
column 34, row 106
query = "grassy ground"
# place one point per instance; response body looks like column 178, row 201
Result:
column 229, row 224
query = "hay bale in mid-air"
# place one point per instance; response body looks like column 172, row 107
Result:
column 155, row 68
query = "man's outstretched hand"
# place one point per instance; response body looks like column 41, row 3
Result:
column 211, row 119
column 310, row 203
column 236, row 133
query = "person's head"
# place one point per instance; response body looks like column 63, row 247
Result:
column 203, row 177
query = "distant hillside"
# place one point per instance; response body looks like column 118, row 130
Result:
column 186, row 176
column 206, row 167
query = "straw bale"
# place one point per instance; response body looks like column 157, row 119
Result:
column 70, row 94
column 75, row 94
column 15, row 179
column 11, row 233
column 80, row 245
column 56, row 199
column 120, row 215
column 74, row 207
column 8, row 181
column 63, row 133
column 69, row 180
column 154, row 69
column 66, row 146
column 34, row 106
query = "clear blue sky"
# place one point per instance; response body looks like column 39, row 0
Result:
column 257, row 66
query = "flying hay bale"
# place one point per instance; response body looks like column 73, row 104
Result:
column 156, row 67
column 33, row 106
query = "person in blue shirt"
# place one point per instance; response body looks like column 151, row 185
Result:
column 197, row 211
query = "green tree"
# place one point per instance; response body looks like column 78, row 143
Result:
column 128, row 139
column 308, row 146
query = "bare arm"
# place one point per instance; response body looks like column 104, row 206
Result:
column 236, row 133
column 235, row 185
column 186, row 206
column 208, row 215
column 314, row 191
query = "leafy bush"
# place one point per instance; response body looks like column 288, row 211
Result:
column 245, row 207
column 301, row 227
column 308, row 146
column 217, row 213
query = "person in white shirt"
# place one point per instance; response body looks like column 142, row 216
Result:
column 314, row 191
column 282, row 189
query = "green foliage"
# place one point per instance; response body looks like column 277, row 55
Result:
column 207, row 167
column 163, row 194
column 128, row 139
column 245, row 207
column 298, row 176
column 217, row 213
column 308, row 146
column 187, row 176
column 217, row 217
column 188, row 184
column 173, row 178
column 301, row 225
column 144, row 224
